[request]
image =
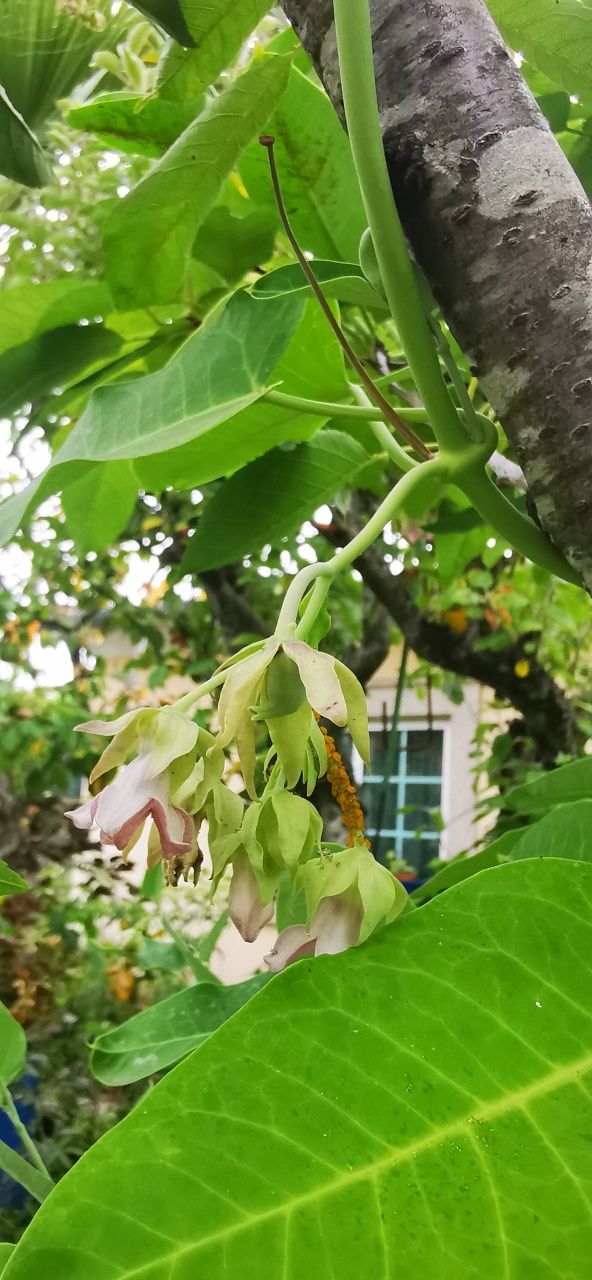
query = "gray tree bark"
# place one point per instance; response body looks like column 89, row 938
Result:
column 499, row 223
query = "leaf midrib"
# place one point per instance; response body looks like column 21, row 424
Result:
column 516, row 1100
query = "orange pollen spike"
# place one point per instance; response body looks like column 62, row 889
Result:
column 344, row 792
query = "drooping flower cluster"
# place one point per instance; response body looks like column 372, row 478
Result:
column 175, row 779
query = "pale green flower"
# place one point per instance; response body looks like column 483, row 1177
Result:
column 348, row 895
column 275, row 683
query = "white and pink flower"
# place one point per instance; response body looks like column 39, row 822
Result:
column 121, row 809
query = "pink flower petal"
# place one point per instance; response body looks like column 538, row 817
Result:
column 293, row 943
column 336, row 925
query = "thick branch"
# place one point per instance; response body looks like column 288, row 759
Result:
column 499, row 223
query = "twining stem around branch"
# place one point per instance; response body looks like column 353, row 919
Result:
column 372, row 390
column 354, row 43
column 421, row 475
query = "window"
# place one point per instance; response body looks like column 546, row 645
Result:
column 403, row 811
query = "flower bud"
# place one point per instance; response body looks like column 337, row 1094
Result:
column 245, row 907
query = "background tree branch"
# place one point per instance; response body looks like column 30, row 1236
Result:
column 501, row 226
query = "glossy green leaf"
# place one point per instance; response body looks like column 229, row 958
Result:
column 5, row 1252
column 554, row 36
column 97, row 507
column 341, row 280
column 149, row 234
column 22, row 157
column 419, row 1105
column 142, row 126
column 455, row 551
column 565, row 832
column 560, row 786
column 221, row 369
column 311, row 366
column 467, row 865
column 13, row 510
column 218, row 29
column 316, row 172
column 271, row 498
column 53, row 359
column 578, row 149
column 13, row 1047
column 232, row 246
column 10, row 881
column 167, row 1031
column 167, row 14
column 30, row 309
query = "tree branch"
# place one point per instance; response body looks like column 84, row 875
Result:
column 500, row 225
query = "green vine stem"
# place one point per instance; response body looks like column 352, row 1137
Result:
column 354, row 44
column 333, row 409
column 424, row 472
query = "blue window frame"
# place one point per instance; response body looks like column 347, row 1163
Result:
column 403, row 811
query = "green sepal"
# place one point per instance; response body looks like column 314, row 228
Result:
column 357, row 709
column 284, row 690
column 290, row 737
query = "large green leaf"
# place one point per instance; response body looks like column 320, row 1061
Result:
column 421, row 1105
column 316, row 170
column 30, row 309
column 149, row 234
column 554, row 36
column 167, row 14
column 221, row 369
column 232, row 246
column 341, row 280
column 10, row 881
column 271, row 498
column 143, row 126
column 13, row 1047
column 560, row 786
column 312, row 366
column 218, row 29
column 5, row 1252
column 565, row 832
column 53, row 359
column 99, row 504
column 167, row 1031
column 22, row 157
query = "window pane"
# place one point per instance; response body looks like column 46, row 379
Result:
column 402, row 815
column 424, row 752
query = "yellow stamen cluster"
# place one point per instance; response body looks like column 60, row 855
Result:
column 344, row 792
